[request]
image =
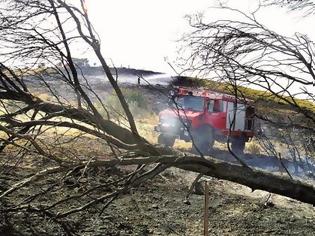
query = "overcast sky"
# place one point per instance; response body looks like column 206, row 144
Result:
column 142, row 33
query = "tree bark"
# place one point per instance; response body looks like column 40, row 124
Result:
column 252, row 178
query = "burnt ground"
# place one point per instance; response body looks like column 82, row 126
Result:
column 158, row 208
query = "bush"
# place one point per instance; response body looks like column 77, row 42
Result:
column 253, row 148
column 135, row 97
column 138, row 104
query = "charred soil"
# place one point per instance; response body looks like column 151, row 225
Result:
column 157, row 207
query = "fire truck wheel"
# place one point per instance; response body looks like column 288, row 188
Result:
column 166, row 140
column 203, row 140
column 238, row 145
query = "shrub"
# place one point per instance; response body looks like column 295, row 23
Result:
column 253, row 148
column 138, row 104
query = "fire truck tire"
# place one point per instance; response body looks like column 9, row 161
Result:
column 166, row 140
column 203, row 140
column 238, row 145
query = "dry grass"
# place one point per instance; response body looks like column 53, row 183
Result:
column 182, row 145
column 253, row 147
column 146, row 127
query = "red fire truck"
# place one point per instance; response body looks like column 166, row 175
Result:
column 203, row 116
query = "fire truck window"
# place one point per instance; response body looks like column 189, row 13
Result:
column 191, row 102
column 218, row 106
column 210, row 106
column 215, row 106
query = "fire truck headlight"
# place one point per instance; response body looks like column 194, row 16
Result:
column 172, row 122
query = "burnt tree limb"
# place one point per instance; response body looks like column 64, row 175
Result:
column 252, row 178
column 255, row 179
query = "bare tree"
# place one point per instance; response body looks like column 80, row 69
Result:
column 39, row 156
column 306, row 6
column 246, row 54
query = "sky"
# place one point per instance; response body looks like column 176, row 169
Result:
column 144, row 34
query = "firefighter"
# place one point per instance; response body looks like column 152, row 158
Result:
column 139, row 81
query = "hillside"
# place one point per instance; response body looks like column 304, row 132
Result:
column 265, row 101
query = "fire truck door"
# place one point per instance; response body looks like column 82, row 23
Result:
column 239, row 114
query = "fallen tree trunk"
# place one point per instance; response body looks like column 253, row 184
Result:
column 253, row 178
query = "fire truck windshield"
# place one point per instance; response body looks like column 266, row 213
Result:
column 191, row 102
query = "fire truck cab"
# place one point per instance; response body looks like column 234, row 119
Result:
column 203, row 116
